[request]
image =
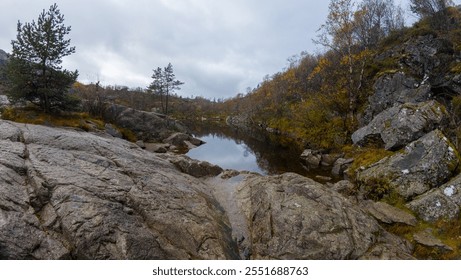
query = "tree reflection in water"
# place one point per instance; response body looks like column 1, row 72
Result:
column 248, row 149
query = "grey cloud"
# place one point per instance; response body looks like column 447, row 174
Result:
column 219, row 48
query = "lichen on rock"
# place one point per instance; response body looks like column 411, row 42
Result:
column 422, row 165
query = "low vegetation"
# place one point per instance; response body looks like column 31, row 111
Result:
column 447, row 231
column 78, row 120
column 34, row 115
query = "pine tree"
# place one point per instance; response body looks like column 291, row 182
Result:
column 164, row 83
column 157, row 85
column 170, row 83
column 34, row 71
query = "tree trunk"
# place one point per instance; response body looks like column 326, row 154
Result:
column 45, row 92
column 162, row 103
column 352, row 94
column 166, row 102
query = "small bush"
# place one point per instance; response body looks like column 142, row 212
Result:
column 128, row 134
column 364, row 157
column 376, row 188
column 394, row 38
column 422, row 31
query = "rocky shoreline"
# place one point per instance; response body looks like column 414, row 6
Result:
column 70, row 194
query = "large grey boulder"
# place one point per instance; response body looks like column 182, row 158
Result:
column 293, row 217
column 183, row 140
column 401, row 124
column 393, row 89
column 424, row 164
column 440, row 203
column 147, row 126
column 419, row 73
column 196, row 168
column 69, row 194
column 311, row 158
column 426, row 56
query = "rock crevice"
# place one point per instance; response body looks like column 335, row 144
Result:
column 66, row 194
column 78, row 195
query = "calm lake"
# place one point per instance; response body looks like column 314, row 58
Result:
column 252, row 150
column 227, row 153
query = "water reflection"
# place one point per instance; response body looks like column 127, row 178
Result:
column 227, row 153
column 252, row 150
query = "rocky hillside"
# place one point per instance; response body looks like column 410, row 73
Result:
column 412, row 112
column 67, row 194
column 70, row 194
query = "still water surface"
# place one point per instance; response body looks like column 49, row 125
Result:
column 227, row 153
column 252, row 150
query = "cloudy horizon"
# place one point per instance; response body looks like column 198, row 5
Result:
column 217, row 48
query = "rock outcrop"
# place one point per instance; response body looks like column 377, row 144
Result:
column 147, row 126
column 196, row 168
column 427, row 239
column 405, row 115
column 183, row 140
column 402, row 124
column 388, row 214
column 441, row 203
column 293, row 217
column 67, row 194
column 395, row 89
column 419, row 74
column 424, row 164
column 427, row 57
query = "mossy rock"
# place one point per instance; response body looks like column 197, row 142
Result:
column 420, row 166
column 401, row 124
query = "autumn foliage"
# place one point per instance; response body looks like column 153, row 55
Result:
column 316, row 99
column 319, row 99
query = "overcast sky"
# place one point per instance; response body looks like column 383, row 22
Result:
column 218, row 48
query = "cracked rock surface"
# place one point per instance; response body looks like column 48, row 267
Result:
column 293, row 217
column 424, row 164
column 68, row 194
